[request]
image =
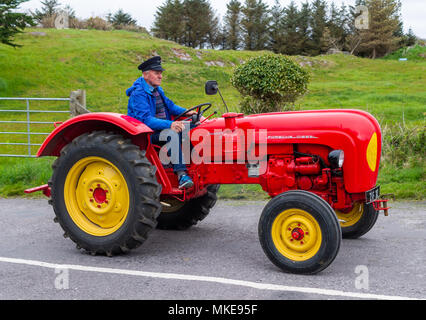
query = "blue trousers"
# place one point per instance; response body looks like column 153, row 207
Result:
column 178, row 166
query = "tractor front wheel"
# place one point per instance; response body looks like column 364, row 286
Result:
column 357, row 221
column 299, row 232
column 104, row 193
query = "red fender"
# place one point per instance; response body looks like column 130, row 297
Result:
column 127, row 126
column 69, row 130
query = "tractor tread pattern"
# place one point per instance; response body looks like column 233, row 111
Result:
column 147, row 206
column 191, row 213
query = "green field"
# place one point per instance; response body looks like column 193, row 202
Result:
column 104, row 63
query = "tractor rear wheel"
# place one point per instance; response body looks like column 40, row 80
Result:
column 299, row 232
column 358, row 221
column 104, row 193
column 178, row 215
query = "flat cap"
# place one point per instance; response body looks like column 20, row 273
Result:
column 153, row 63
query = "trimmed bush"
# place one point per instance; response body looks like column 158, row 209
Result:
column 269, row 83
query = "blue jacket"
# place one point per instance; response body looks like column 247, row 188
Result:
column 142, row 106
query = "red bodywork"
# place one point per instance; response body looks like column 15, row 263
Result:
column 305, row 132
column 69, row 130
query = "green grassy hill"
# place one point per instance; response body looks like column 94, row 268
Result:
column 52, row 63
column 414, row 53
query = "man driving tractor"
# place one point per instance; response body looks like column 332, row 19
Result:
column 148, row 104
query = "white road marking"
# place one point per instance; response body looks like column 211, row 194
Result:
column 174, row 276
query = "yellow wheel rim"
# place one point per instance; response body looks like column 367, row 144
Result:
column 296, row 234
column 352, row 217
column 96, row 196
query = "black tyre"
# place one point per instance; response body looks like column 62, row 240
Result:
column 104, row 193
column 358, row 221
column 181, row 216
column 299, row 232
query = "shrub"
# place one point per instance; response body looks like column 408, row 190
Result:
column 48, row 21
column 403, row 146
column 98, row 23
column 76, row 23
column 269, row 83
column 131, row 27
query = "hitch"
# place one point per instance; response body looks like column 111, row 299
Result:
column 44, row 188
column 382, row 202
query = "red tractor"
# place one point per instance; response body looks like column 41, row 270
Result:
column 109, row 188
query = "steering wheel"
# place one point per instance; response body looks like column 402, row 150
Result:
column 200, row 112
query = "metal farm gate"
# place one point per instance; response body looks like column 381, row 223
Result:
column 20, row 119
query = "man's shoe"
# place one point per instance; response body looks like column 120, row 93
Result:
column 185, row 182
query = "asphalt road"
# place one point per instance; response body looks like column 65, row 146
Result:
column 219, row 259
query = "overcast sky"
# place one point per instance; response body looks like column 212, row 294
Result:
column 413, row 11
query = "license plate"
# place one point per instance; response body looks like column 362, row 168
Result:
column 372, row 194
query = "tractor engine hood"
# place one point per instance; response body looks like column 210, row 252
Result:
column 355, row 132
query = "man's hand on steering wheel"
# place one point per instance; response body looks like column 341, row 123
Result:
column 197, row 110
column 178, row 126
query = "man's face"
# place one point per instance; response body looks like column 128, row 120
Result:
column 153, row 77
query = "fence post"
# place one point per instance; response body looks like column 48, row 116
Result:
column 28, row 128
column 78, row 103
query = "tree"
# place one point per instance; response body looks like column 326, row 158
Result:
column 318, row 25
column 232, row 21
column 74, row 22
column 255, row 24
column 213, row 34
column 379, row 39
column 276, row 34
column 292, row 35
column 304, row 30
column 169, row 23
column 354, row 38
column 222, row 37
column 12, row 22
column 410, row 38
column 337, row 27
column 121, row 19
column 70, row 12
column 48, row 10
column 328, row 41
column 201, row 23
column 189, row 22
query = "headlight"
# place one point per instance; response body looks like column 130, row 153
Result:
column 336, row 158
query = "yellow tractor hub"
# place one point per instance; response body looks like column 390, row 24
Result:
column 96, row 196
column 296, row 234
